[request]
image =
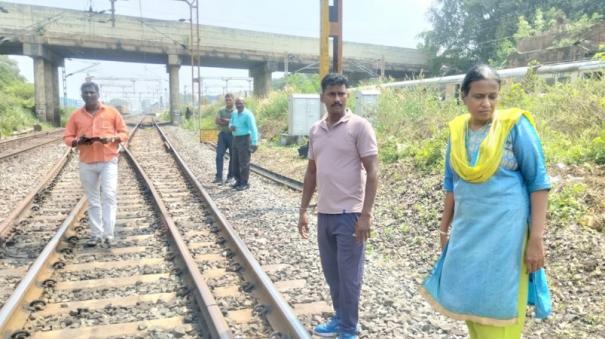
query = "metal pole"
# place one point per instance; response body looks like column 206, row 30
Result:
column 64, row 87
column 199, row 76
column 191, row 52
column 336, row 33
column 330, row 26
column 324, row 37
column 113, row 13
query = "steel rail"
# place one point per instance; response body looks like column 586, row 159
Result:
column 24, row 205
column 22, row 208
column 279, row 314
column 29, row 136
column 206, row 302
column 279, row 178
column 273, row 176
column 13, row 314
column 25, row 149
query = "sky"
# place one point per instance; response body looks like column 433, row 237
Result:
column 383, row 22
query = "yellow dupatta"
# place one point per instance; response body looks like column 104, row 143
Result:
column 490, row 150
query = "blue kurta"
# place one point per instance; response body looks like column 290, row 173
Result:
column 477, row 275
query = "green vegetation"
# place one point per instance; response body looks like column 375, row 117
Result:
column 17, row 103
column 271, row 112
column 566, row 205
column 411, row 127
column 465, row 32
column 555, row 20
column 411, row 123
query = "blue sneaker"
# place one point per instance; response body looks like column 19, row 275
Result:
column 347, row 335
column 329, row 328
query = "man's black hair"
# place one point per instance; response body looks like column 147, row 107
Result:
column 332, row 79
column 88, row 84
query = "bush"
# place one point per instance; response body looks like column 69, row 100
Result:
column 17, row 103
column 412, row 123
column 597, row 149
column 272, row 112
column 570, row 117
column 567, row 203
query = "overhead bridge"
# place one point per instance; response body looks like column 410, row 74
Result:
column 49, row 35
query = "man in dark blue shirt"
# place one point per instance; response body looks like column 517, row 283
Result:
column 225, row 140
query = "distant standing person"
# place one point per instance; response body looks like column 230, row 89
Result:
column 96, row 130
column 341, row 146
column 245, row 141
column 225, row 140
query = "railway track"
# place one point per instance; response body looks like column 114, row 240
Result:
column 25, row 232
column 271, row 175
column 143, row 286
column 265, row 218
column 252, row 305
column 172, row 254
column 11, row 147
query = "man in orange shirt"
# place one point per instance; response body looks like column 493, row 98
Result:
column 96, row 130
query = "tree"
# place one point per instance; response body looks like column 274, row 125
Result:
column 17, row 98
column 469, row 31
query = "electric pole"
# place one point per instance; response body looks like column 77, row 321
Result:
column 113, row 13
column 330, row 27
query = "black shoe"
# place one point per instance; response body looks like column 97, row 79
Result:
column 217, row 180
column 242, row 187
column 92, row 242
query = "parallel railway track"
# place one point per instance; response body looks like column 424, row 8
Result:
column 177, row 268
column 248, row 297
column 11, row 147
column 271, row 175
column 139, row 287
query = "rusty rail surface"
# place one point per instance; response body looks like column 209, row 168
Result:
column 208, row 306
column 44, row 138
column 271, row 175
column 16, row 310
column 24, row 205
column 279, row 313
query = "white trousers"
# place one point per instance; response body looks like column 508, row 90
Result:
column 100, row 182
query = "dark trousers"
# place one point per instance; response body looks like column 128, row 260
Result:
column 224, row 143
column 342, row 263
column 241, row 158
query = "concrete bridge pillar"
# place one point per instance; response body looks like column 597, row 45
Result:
column 46, row 82
column 261, row 75
column 174, row 64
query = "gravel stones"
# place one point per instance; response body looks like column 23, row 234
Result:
column 21, row 173
column 402, row 250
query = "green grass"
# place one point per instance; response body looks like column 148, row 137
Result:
column 412, row 123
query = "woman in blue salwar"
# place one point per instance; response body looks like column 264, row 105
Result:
column 492, row 227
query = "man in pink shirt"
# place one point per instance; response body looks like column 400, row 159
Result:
column 343, row 164
column 96, row 130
